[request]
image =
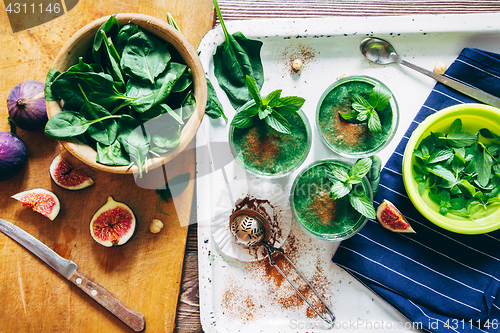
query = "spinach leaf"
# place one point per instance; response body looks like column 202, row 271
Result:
column 144, row 57
column 125, row 33
column 110, row 27
column 233, row 60
column 104, row 131
column 66, row 124
column 114, row 59
column 136, row 142
column 374, row 173
column 164, row 85
column 52, row 75
column 98, row 87
column 214, row 108
column 111, row 154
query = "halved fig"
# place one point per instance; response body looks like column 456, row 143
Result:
column 65, row 175
column 113, row 224
column 391, row 218
column 41, row 201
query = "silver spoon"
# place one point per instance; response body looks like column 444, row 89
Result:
column 382, row 52
column 250, row 228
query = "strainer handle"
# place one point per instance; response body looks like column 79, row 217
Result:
column 327, row 314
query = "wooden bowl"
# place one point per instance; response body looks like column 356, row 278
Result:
column 82, row 40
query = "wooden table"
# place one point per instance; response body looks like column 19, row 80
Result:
column 188, row 312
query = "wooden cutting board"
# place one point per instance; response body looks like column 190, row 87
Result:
column 146, row 272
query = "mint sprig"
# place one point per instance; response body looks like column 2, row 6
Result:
column 460, row 173
column 343, row 183
column 366, row 110
column 272, row 109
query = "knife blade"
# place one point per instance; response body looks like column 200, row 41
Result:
column 135, row 320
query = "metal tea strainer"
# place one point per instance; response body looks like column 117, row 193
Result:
column 250, row 228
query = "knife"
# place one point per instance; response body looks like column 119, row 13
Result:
column 69, row 270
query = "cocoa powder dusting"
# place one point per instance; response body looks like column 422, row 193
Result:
column 324, row 207
column 304, row 53
column 246, row 304
column 350, row 133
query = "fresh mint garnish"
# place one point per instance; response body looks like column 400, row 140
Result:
column 366, row 110
column 344, row 183
column 272, row 109
column 461, row 173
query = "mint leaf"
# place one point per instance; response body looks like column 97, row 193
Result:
column 360, row 104
column 456, row 126
column 440, row 155
column 460, row 139
column 278, row 122
column 338, row 174
column 253, row 90
column 360, row 168
column 264, row 112
column 374, row 124
column 484, row 163
column 363, row 205
column 340, row 189
column 244, row 118
column 272, row 98
column 442, row 172
column 288, row 105
column 379, row 97
column 349, row 116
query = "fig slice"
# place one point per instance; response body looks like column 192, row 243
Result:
column 113, row 224
column 391, row 218
column 41, row 201
column 65, row 175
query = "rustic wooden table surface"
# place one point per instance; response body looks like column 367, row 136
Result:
column 188, row 311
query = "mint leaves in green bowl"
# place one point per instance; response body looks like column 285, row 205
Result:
column 332, row 200
column 270, row 137
column 126, row 94
column 357, row 116
column 451, row 168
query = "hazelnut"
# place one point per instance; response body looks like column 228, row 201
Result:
column 155, row 226
column 440, row 68
column 297, row 65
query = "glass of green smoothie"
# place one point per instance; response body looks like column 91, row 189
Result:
column 316, row 212
column 267, row 153
column 347, row 130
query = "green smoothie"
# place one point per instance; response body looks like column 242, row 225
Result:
column 265, row 151
column 352, row 138
column 317, row 213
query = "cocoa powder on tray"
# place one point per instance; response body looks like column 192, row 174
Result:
column 263, row 289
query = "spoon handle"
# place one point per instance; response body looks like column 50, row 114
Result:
column 467, row 90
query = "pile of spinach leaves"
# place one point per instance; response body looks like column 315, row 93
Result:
column 460, row 171
column 128, row 97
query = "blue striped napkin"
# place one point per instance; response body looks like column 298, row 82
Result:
column 443, row 281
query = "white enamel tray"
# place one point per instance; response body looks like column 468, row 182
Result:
column 238, row 296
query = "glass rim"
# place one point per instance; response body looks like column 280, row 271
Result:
column 360, row 223
column 395, row 117
column 238, row 159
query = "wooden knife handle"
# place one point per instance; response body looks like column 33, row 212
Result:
column 132, row 319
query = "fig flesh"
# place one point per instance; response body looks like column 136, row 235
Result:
column 65, row 175
column 391, row 218
column 41, row 201
column 113, row 224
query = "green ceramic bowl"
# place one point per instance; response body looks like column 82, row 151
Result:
column 474, row 117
